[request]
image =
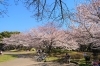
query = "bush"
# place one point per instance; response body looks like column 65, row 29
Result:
column 76, row 56
column 59, row 51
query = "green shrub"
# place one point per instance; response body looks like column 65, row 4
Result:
column 59, row 51
column 76, row 56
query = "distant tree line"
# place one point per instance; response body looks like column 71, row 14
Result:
column 7, row 34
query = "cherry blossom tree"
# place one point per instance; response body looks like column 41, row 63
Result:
column 16, row 40
column 50, row 35
column 47, row 36
column 87, row 19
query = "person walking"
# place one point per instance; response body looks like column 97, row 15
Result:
column 0, row 52
column 86, row 57
column 67, row 57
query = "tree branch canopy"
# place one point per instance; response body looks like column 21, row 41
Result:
column 55, row 10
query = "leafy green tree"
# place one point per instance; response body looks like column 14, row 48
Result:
column 7, row 34
column 1, row 37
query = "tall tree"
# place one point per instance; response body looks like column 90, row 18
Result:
column 45, row 36
column 88, row 21
column 52, row 36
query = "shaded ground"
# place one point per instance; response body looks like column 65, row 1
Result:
column 53, row 64
column 25, row 60
column 30, row 62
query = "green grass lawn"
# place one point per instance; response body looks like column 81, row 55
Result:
column 4, row 58
column 48, row 59
column 10, row 55
column 75, row 56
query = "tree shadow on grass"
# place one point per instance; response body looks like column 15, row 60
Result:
column 28, row 55
column 62, row 61
column 84, row 65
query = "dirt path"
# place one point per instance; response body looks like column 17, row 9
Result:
column 19, row 62
column 30, row 62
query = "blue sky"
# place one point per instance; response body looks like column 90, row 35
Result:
column 19, row 18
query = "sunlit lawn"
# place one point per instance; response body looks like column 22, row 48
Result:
column 10, row 55
column 53, row 57
column 48, row 59
column 4, row 58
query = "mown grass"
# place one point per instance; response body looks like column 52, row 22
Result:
column 13, row 54
column 75, row 56
column 49, row 59
column 4, row 58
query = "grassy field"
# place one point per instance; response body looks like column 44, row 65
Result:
column 75, row 56
column 4, row 58
column 48, row 59
column 7, row 56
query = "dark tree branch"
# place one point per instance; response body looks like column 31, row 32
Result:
column 43, row 7
column 61, row 8
column 53, row 8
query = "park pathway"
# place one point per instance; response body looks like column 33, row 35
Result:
column 25, row 60
column 30, row 62
column 19, row 62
